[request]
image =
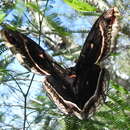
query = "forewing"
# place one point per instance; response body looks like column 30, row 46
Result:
column 30, row 54
column 100, row 40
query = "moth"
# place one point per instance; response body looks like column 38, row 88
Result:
column 78, row 90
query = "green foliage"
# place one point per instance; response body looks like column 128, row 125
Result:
column 20, row 7
column 115, row 114
column 2, row 16
column 4, row 72
column 6, row 5
column 1, row 117
column 71, row 54
column 7, row 26
column 80, row 5
column 34, row 6
column 4, row 62
column 55, row 24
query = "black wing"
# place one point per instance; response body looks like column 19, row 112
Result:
column 100, row 40
column 30, row 54
column 93, row 86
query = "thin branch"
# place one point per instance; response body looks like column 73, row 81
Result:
column 19, row 79
column 8, row 125
column 25, row 103
column 25, row 97
column 30, row 84
column 70, row 31
column 17, row 85
column 30, row 21
column 47, row 1
column 20, row 106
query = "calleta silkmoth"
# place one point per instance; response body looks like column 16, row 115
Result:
column 81, row 89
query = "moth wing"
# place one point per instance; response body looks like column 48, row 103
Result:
column 30, row 54
column 61, row 96
column 100, row 40
column 99, row 95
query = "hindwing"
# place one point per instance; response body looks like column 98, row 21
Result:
column 92, row 92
